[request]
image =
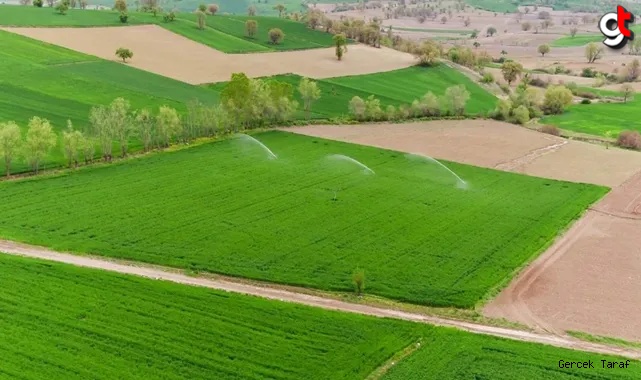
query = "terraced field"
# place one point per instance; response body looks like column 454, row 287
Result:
column 224, row 33
column 304, row 218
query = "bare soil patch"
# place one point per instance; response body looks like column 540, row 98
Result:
column 589, row 280
column 162, row 52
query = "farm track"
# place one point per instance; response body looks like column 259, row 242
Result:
column 530, row 157
column 19, row 249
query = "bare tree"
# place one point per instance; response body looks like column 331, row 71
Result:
column 627, row 91
column 593, row 51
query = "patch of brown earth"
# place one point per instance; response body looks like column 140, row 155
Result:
column 155, row 51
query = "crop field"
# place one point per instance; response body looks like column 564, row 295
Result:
column 63, row 322
column 601, row 119
column 80, row 323
column 223, row 33
column 297, row 34
column 578, row 40
column 306, row 218
column 391, row 88
column 453, row 355
column 44, row 80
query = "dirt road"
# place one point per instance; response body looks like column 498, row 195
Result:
column 306, row 299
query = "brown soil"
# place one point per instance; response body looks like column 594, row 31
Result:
column 589, row 280
column 166, row 274
column 155, row 50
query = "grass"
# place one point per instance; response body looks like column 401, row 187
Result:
column 584, row 39
column 65, row 322
column 600, row 119
column 391, row 88
column 476, row 357
column 449, row 31
column 39, row 79
column 225, row 208
column 223, row 33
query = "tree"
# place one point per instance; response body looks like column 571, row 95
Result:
column 167, row 126
column 428, row 53
column 37, row 3
column 511, row 70
column 124, row 54
column 521, row 114
column 102, row 130
column 467, row 22
column 251, row 11
column 202, row 8
column 83, row 4
column 251, row 28
column 357, row 108
column 556, row 99
column 341, row 45
column 10, row 143
column 63, row 7
column 526, row 26
column 234, row 98
column 201, row 17
column 328, row 23
column 544, row 15
column 309, row 92
column 358, row 278
column 280, row 8
column 213, row 9
column 443, row 20
column 632, row 71
column 573, row 32
column 544, row 49
column 627, row 91
column 593, row 51
column 456, row 97
column 120, row 120
column 120, row 5
column 476, row 44
column 545, row 24
column 72, row 141
column 40, row 140
column 276, row 36
column 51, row 2
column 144, row 124
column 491, row 31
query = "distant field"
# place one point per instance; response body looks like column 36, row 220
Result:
column 599, row 118
column 44, row 80
column 407, row 221
column 391, row 88
column 449, row 31
column 224, row 33
column 77, row 323
column 494, row 5
column 578, row 40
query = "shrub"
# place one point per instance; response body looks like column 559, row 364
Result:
column 212, row 8
column 502, row 110
column 169, row 17
column 588, row 72
column 521, row 114
column 373, row 109
column 505, row 88
column 538, row 82
column 550, row 130
column 556, row 99
column 123, row 17
column 357, row 108
column 487, row 78
column 586, row 101
column 37, row 3
column 629, row 140
column 276, row 36
column 586, row 95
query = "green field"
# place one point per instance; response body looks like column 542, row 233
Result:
column 224, row 33
column 578, row 40
column 226, row 208
column 391, row 88
column 38, row 79
column 599, row 119
column 64, row 322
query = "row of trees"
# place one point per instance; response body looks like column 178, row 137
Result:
column 452, row 103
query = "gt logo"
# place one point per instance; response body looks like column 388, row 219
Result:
column 614, row 27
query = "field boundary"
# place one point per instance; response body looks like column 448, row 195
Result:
column 166, row 274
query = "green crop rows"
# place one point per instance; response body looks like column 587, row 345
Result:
column 225, row 208
column 224, row 33
column 64, row 322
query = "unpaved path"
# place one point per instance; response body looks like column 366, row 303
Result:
column 306, row 299
column 162, row 52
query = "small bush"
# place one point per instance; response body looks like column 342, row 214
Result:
column 538, row 82
column 487, row 78
column 169, row 17
column 123, row 17
column 276, row 36
column 37, row 3
column 588, row 72
column 586, row 94
column 550, row 130
column 586, row 101
column 629, row 140
column 521, row 114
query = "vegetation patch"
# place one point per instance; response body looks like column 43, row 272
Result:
column 306, row 218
